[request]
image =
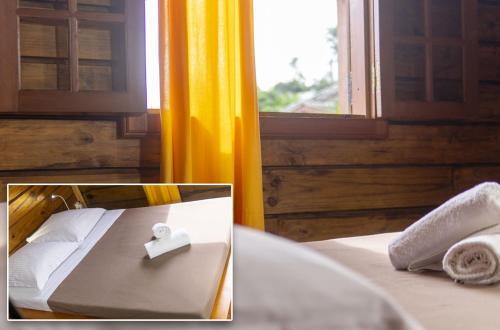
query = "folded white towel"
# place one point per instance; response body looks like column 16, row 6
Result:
column 424, row 244
column 176, row 240
column 475, row 260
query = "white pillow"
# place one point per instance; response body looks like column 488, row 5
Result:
column 67, row 226
column 32, row 265
column 284, row 285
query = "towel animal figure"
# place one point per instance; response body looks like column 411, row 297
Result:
column 166, row 240
column 424, row 244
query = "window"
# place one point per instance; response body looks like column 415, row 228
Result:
column 302, row 56
column 296, row 50
column 334, row 38
column 359, row 59
column 72, row 57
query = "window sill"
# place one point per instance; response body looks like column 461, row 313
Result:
column 298, row 126
column 154, row 111
column 320, row 126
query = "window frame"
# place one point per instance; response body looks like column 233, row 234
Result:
column 356, row 86
column 356, row 89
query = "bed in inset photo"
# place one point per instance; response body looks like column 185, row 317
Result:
column 92, row 262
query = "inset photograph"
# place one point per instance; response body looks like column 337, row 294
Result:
column 120, row 252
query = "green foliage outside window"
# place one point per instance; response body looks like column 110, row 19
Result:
column 284, row 94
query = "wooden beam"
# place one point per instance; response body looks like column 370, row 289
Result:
column 79, row 196
column 31, row 209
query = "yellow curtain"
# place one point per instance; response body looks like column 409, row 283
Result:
column 164, row 194
column 210, row 124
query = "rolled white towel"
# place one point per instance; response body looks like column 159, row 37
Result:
column 474, row 260
column 179, row 238
column 161, row 230
column 424, row 244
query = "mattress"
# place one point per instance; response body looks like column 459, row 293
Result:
column 432, row 298
column 110, row 276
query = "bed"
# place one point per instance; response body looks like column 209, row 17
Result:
column 110, row 275
column 431, row 297
column 345, row 283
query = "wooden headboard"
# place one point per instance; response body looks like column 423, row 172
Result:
column 30, row 206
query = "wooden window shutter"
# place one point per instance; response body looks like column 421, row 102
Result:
column 425, row 58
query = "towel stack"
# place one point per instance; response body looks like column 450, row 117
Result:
column 462, row 237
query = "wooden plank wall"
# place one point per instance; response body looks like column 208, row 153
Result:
column 320, row 189
column 79, row 151
column 313, row 189
column 114, row 196
column 199, row 192
column 30, row 206
column 119, row 196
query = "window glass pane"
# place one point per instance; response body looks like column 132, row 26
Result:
column 296, row 55
column 101, row 6
column 409, row 17
column 447, row 71
column 409, row 64
column 44, row 52
column 101, row 56
column 43, row 4
column 446, row 18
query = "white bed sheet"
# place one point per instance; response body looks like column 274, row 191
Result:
column 35, row 299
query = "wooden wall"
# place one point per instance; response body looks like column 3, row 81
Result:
column 119, row 196
column 114, row 196
column 199, row 192
column 320, row 189
column 74, row 151
column 313, row 189
column 30, row 206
